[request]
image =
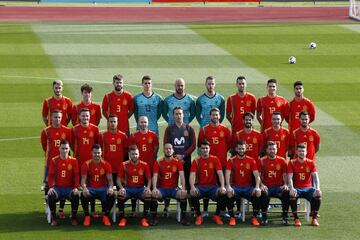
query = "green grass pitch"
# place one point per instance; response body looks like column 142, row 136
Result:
column 31, row 55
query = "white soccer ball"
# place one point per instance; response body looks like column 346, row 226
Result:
column 292, row 60
column 312, row 45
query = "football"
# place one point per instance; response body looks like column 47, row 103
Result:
column 312, row 45
column 292, row 60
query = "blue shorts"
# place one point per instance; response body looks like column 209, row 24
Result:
column 243, row 192
column 63, row 193
column 168, row 192
column 274, row 191
column 208, row 191
column 307, row 193
column 134, row 192
column 98, row 193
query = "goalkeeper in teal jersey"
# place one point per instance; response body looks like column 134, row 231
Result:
column 179, row 99
column 149, row 104
column 209, row 100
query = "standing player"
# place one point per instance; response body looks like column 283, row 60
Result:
column 269, row 104
column 238, row 104
column 149, row 104
column 301, row 173
column 205, row 171
column 240, row 171
column 179, row 99
column 94, row 108
column 114, row 144
column 120, row 103
column 209, row 100
column 134, row 181
column 97, row 183
column 167, row 172
column 274, row 182
column 298, row 104
column 306, row 135
column 63, row 182
column 277, row 134
column 57, row 102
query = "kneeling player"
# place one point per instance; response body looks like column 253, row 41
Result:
column 165, row 183
column 134, row 181
column 97, row 183
column 273, row 182
column 302, row 173
column 63, row 179
column 204, row 170
column 239, row 174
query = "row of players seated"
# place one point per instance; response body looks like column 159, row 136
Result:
column 134, row 181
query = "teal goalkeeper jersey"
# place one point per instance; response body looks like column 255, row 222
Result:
column 186, row 103
column 151, row 107
column 203, row 106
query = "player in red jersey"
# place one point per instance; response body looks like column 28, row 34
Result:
column 51, row 137
column 240, row 171
column 63, row 182
column 114, row 144
column 238, row 104
column 167, row 172
column 59, row 102
column 268, row 104
column 120, row 103
column 307, row 135
column 97, row 183
column 298, row 104
column 146, row 141
column 273, row 182
column 302, row 173
column 277, row 134
column 94, row 108
column 203, row 182
column 134, row 181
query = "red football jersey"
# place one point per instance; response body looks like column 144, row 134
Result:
column 147, row 144
column 254, row 142
column 241, row 170
column 281, row 138
column 134, row 175
column 168, row 172
column 95, row 113
column 302, row 172
column 96, row 173
column 119, row 106
column 237, row 106
column 294, row 108
column 267, row 105
column 310, row 137
column 51, row 138
column 63, row 173
column 64, row 105
column 272, row 171
column 219, row 138
column 83, row 139
column 206, row 170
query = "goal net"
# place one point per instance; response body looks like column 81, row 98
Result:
column 354, row 9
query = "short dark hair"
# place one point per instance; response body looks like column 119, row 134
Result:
column 133, row 148
column 301, row 145
column 298, row 83
column 62, row 142
column 84, row 110
column 55, row 111
column 271, row 143
column 241, row 142
column 276, row 113
column 204, row 142
column 96, row 146
column 144, row 78
column 86, row 87
column 177, row 108
column 112, row 116
column 248, row 114
column 214, row 110
column 118, row 77
column 303, row 113
column 209, row 78
column 240, row 78
column 272, row 80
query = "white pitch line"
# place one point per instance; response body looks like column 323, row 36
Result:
column 16, row 139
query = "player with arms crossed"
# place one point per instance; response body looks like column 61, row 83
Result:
column 301, row 173
column 63, row 182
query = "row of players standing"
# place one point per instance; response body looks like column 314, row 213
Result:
column 240, row 110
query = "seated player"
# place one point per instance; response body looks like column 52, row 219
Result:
column 134, row 181
column 166, row 173
column 273, row 182
column 63, row 182
column 203, row 182
column 97, row 183
column 240, row 171
column 302, row 173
